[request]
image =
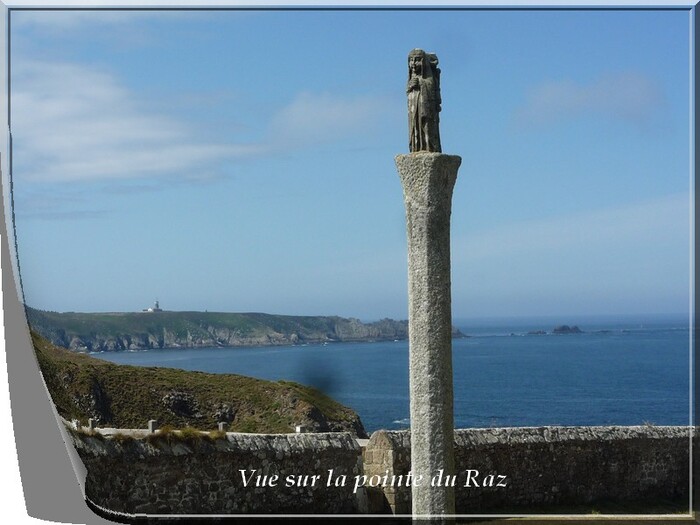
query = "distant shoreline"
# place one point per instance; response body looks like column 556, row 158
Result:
column 115, row 332
column 138, row 331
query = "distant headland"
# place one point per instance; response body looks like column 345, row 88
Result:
column 120, row 331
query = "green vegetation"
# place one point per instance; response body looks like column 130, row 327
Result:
column 164, row 434
column 217, row 434
column 122, row 438
column 123, row 396
column 191, row 434
column 89, row 433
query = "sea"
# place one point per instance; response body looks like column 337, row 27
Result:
column 619, row 371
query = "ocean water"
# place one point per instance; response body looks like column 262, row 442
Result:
column 619, row 372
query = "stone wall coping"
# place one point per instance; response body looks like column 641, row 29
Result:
column 234, row 442
column 546, row 434
column 152, row 445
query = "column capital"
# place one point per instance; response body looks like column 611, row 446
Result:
column 427, row 178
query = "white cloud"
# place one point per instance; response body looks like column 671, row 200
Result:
column 631, row 97
column 71, row 122
column 320, row 117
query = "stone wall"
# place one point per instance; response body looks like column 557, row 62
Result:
column 545, row 466
column 202, row 476
column 540, row 468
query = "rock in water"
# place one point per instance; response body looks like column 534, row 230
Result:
column 566, row 329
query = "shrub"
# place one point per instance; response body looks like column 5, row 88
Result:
column 165, row 433
column 190, row 434
column 122, row 438
column 216, row 434
column 86, row 432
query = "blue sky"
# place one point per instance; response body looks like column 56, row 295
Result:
column 243, row 160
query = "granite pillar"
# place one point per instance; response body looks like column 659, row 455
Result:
column 428, row 180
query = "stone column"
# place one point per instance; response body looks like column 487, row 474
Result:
column 428, row 180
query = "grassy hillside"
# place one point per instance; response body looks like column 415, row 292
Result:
column 142, row 330
column 125, row 396
column 85, row 324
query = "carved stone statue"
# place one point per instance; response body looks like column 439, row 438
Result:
column 424, row 101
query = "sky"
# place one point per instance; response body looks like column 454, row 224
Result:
column 244, row 160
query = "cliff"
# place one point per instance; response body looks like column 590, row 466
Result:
column 108, row 332
column 123, row 396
